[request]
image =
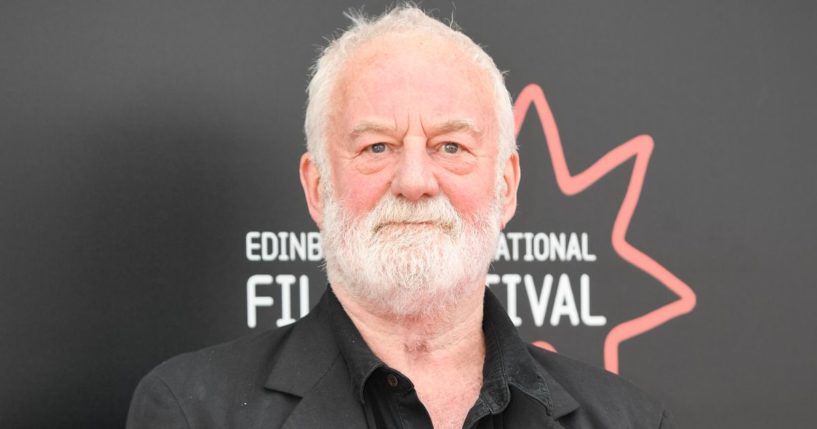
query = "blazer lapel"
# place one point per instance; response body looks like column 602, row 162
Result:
column 562, row 402
column 309, row 365
column 330, row 403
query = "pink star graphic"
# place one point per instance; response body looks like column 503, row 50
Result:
column 640, row 148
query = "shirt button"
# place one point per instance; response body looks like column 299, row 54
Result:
column 392, row 380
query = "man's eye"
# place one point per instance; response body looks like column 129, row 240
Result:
column 451, row 147
column 378, row 148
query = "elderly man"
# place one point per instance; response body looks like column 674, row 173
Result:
column 410, row 174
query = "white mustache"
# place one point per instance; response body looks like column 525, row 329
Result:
column 391, row 211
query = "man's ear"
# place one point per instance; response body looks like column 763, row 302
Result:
column 311, row 182
column 510, row 177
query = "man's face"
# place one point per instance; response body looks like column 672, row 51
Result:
column 415, row 119
column 413, row 205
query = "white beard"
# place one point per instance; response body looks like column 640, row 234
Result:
column 408, row 259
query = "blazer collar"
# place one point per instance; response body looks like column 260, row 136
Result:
column 309, row 365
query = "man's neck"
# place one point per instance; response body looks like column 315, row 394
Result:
column 442, row 354
column 452, row 336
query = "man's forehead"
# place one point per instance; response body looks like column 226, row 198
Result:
column 396, row 76
column 434, row 126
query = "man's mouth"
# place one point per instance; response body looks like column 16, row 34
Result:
column 413, row 224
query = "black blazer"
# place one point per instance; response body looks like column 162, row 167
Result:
column 295, row 377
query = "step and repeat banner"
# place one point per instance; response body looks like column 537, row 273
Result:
column 151, row 203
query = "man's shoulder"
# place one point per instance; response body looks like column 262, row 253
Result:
column 601, row 395
column 218, row 386
column 247, row 356
column 586, row 380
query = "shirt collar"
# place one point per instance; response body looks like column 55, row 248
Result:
column 507, row 360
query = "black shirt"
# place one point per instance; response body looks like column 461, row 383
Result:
column 513, row 394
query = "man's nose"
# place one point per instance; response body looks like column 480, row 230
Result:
column 414, row 177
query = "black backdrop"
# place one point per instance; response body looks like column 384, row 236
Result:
column 140, row 143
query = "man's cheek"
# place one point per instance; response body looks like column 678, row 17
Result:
column 361, row 194
column 360, row 201
column 468, row 202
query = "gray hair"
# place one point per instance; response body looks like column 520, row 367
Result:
column 403, row 18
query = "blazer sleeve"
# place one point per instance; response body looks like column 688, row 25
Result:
column 155, row 406
column 666, row 421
